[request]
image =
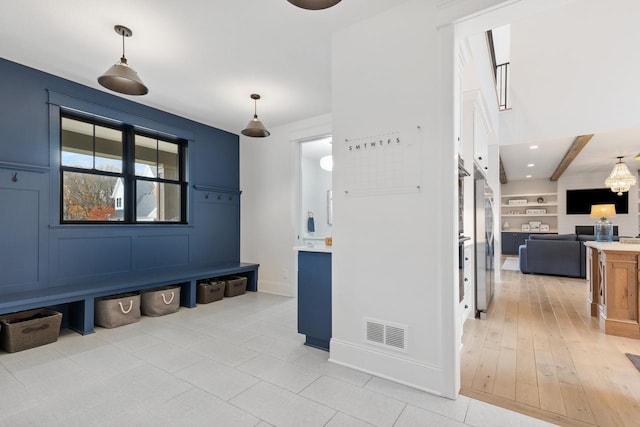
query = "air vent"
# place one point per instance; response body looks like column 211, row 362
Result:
column 386, row 335
column 375, row 332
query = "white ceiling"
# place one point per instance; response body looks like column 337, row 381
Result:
column 598, row 156
column 201, row 59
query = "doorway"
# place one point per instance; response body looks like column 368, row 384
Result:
column 315, row 218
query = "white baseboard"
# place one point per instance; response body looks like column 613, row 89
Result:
column 396, row 368
column 276, row 288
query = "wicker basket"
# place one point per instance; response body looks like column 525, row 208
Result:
column 236, row 285
column 210, row 291
column 28, row 329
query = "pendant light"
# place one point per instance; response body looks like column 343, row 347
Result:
column 620, row 179
column 121, row 77
column 314, row 4
column 255, row 128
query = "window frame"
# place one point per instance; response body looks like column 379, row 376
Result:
column 128, row 175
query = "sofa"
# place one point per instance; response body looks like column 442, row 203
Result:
column 555, row 254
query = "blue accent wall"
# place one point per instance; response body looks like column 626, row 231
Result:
column 36, row 251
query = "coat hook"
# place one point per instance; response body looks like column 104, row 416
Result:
column 230, row 197
column 219, row 197
column 14, row 178
column 206, row 196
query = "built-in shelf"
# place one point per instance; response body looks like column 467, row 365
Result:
column 530, row 215
column 515, row 214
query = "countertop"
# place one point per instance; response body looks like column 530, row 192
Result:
column 314, row 248
column 614, row 246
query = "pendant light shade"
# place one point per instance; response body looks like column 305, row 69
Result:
column 314, row 4
column 620, row 179
column 255, row 128
column 121, row 77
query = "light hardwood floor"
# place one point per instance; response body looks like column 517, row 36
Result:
column 540, row 353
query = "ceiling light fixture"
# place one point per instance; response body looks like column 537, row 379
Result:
column 533, row 147
column 255, row 128
column 314, row 4
column 620, row 179
column 530, row 165
column 326, row 162
column 121, row 77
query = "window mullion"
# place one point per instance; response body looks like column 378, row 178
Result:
column 129, row 175
column 94, row 147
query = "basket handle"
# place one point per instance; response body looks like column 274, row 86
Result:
column 127, row 310
column 165, row 300
column 35, row 329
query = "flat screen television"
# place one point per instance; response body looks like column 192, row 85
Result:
column 579, row 201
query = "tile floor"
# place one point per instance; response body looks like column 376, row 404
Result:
column 236, row 362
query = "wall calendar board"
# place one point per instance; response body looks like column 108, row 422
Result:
column 388, row 163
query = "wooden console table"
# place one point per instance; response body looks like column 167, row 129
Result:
column 613, row 287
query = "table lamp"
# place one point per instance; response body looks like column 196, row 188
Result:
column 603, row 229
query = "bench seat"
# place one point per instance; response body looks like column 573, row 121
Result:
column 80, row 296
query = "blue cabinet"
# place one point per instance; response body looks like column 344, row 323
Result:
column 511, row 241
column 314, row 298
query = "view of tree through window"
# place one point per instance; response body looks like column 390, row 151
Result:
column 100, row 182
column 91, row 160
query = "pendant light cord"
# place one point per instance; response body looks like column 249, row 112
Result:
column 123, row 45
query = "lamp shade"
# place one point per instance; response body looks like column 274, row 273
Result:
column 123, row 79
column 314, row 4
column 256, row 129
column 620, row 180
column 603, row 211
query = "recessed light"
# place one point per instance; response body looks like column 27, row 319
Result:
column 530, row 165
column 528, row 176
column 533, row 147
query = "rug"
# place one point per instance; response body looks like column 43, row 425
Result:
column 511, row 263
column 635, row 359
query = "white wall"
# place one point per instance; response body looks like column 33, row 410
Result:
column 587, row 83
column 627, row 223
column 529, row 186
column 395, row 255
column 269, row 180
column 478, row 75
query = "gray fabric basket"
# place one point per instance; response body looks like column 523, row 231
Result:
column 210, row 291
column 17, row 334
column 117, row 310
column 161, row 301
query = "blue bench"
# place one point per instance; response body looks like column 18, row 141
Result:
column 80, row 297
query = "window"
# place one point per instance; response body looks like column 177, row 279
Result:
column 116, row 174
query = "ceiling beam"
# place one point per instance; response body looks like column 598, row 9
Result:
column 577, row 146
column 503, row 174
